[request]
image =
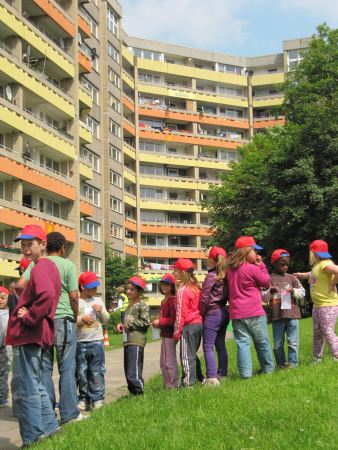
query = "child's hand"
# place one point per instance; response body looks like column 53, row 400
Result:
column 298, row 275
column 259, row 260
column 119, row 327
column 22, row 311
column 155, row 323
column 97, row 307
column 273, row 290
column 87, row 318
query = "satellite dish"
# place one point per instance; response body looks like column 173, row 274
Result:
column 9, row 93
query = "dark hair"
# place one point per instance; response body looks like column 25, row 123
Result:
column 135, row 286
column 173, row 288
column 55, row 241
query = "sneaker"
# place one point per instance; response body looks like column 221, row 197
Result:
column 211, row 382
column 98, row 404
column 3, row 403
column 316, row 360
column 83, row 405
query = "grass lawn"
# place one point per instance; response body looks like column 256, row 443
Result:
column 115, row 340
column 295, row 409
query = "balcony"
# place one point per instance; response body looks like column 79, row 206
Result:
column 50, row 127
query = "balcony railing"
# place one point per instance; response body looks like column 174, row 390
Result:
column 51, row 127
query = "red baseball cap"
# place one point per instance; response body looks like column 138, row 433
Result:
column 184, row 265
column 32, row 232
column 214, row 252
column 89, row 280
column 320, row 248
column 168, row 278
column 278, row 253
column 24, row 263
column 247, row 241
column 4, row 290
column 137, row 281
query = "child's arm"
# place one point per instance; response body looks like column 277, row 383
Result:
column 261, row 275
column 180, row 314
column 102, row 313
column 142, row 320
column 208, row 284
column 302, row 275
column 298, row 292
column 332, row 269
column 266, row 295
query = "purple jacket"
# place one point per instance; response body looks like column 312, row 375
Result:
column 213, row 293
column 245, row 297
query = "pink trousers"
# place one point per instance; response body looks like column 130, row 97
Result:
column 168, row 363
column 324, row 321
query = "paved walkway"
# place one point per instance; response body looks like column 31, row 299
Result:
column 115, row 387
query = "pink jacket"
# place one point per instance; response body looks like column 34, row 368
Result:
column 187, row 309
column 245, row 297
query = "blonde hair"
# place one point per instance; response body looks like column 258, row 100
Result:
column 188, row 279
column 313, row 258
column 238, row 257
column 221, row 267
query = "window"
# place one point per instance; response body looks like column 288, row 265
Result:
column 90, row 264
column 115, row 179
column 94, row 126
column 114, row 128
column 149, row 78
column 152, row 240
column 114, row 77
column 49, row 207
column 93, row 90
column 114, row 102
column 228, row 68
column 95, row 64
column 115, row 153
column 151, row 147
column 115, row 230
column 113, row 22
column 151, row 170
column 49, row 163
column 116, row 204
column 113, row 52
column 93, row 24
column 228, row 155
column 91, row 157
column 151, row 193
column 152, row 216
column 92, row 229
column 91, row 193
column 231, row 112
column 146, row 54
column 226, row 90
column 294, row 57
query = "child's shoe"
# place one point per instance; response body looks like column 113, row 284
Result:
column 3, row 403
column 316, row 360
column 83, row 405
column 211, row 382
column 98, row 404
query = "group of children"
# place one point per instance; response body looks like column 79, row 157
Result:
column 51, row 314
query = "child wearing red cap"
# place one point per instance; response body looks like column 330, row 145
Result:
column 90, row 359
column 215, row 316
column 188, row 326
column 282, row 297
column 135, row 327
column 4, row 350
column 246, row 275
column 165, row 321
column 322, row 279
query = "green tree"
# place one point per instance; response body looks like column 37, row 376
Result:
column 117, row 270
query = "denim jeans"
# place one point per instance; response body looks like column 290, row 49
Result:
column 255, row 328
column 31, row 402
column 66, row 360
column 90, row 370
column 290, row 327
column 214, row 328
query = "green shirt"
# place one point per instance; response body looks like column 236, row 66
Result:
column 69, row 283
column 136, row 323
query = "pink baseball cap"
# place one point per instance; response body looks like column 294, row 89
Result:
column 247, row 241
column 168, row 278
column 4, row 290
column 137, row 281
column 184, row 265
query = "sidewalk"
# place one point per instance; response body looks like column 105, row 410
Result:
column 115, row 387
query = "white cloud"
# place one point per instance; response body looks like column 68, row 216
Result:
column 196, row 23
column 318, row 8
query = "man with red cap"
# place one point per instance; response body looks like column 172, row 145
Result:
column 30, row 330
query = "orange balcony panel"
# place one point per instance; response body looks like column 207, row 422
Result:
column 128, row 127
column 55, row 14
column 18, row 219
column 268, row 123
column 86, row 246
column 128, row 104
column 86, row 208
column 168, row 253
column 22, row 172
column 198, row 118
column 172, row 230
column 130, row 225
column 84, row 62
column 219, row 143
column 130, row 250
column 84, row 26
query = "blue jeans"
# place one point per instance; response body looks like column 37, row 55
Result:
column 214, row 328
column 31, row 402
column 90, row 370
column 256, row 328
column 290, row 327
column 66, row 359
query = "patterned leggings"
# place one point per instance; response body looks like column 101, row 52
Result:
column 324, row 321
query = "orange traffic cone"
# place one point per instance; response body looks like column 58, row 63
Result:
column 105, row 338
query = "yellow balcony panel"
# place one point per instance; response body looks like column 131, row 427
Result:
column 191, row 72
column 128, row 175
column 7, row 269
column 34, row 85
column 128, row 79
column 130, row 200
column 127, row 55
column 25, row 33
column 20, row 123
column 86, row 171
column 177, row 161
column 85, row 134
column 216, row 164
column 271, row 101
column 171, row 206
column 268, row 79
column 220, row 100
column 85, row 98
column 128, row 150
column 165, row 182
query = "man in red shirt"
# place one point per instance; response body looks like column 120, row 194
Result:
column 30, row 330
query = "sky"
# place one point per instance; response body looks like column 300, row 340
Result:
column 234, row 27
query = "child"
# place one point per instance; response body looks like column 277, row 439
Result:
column 122, row 302
column 165, row 322
column 188, row 323
column 215, row 316
column 90, row 359
column 135, row 326
column 282, row 296
column 31, row 330
column 4, row 353
column 246, row 275
column 323, row 279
